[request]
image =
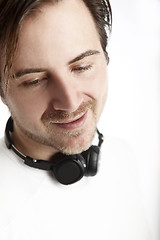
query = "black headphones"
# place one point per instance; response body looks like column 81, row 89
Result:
column 67, row 169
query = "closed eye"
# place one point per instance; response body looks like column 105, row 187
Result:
column 35, row 82
column 81, row 68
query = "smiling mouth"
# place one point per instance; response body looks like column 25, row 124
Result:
column 72, row 124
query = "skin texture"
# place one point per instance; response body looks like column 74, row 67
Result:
column 61, row 81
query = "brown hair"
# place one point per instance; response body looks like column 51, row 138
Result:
column 12, row 14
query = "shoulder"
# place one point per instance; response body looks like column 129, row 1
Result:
column 119, row 167
column 119, row 156
column 2, row 146
column 121, row 182
column 17, row 184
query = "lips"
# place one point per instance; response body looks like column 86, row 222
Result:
column 73, row 124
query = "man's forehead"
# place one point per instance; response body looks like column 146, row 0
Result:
column 57, row 35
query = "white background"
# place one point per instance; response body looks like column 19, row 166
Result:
column 132, row 110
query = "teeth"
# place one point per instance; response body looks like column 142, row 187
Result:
column 69, row 121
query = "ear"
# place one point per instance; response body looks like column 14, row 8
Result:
column 3, row 100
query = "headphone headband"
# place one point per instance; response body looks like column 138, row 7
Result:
column 66, row 168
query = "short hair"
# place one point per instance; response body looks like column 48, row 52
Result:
column 12, row 14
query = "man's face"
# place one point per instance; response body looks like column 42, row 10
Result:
column 61, row 83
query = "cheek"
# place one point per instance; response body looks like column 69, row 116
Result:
column 25, row 107
column 101, row 90
column 97, row 87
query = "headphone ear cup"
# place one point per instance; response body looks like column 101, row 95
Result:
column 92, row 158
column 70, row 170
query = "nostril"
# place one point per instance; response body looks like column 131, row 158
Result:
column 67, row 103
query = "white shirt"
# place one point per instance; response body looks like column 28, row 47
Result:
column 106, row 207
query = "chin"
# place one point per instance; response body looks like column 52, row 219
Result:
column 76, row 149
column 76, row 144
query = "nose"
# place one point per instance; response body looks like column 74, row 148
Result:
column 66, row 96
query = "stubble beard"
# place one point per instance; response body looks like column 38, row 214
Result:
column 71, row 141
column 65, row 141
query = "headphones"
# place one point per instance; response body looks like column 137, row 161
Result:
column 67, row 169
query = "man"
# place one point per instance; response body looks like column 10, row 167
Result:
column 54, row 83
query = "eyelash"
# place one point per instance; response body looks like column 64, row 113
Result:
column 36, row 82
column 82, row 69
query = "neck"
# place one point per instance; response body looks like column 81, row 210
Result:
column 29, row 147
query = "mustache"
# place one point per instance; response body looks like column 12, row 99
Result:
column 58, row 115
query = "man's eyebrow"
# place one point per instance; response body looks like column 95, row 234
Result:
column 83, row 55
column 26, row 71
